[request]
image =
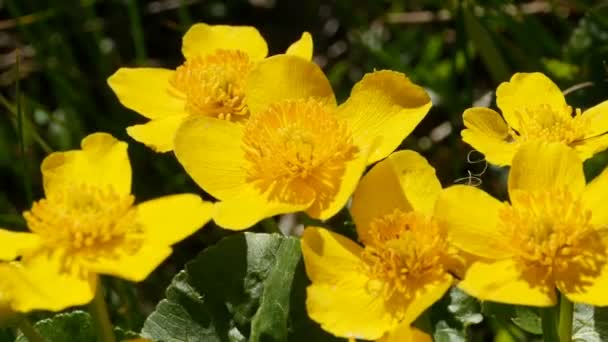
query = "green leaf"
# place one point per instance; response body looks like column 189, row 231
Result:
column 444, row 333
column 466, row 309
column 75, row 326
column 248, row 287
column 526, row 318
column 590, row 324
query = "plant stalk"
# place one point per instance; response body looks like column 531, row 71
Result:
column 29, row 331
column 101, row 318
column 549, row 324
column 566, row 308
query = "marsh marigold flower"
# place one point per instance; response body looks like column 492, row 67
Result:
column 378, row 290
column 299, row 151
column 88, row 224
column 534, row 108
column 211, row 82
column 551, row 235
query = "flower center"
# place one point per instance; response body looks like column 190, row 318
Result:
column 550, row 233
column 401, row 249
column 548, row 124
column 214, row 84
column 86, row 221
column 296, row 146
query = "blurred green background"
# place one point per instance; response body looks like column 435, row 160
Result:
column 55, row 57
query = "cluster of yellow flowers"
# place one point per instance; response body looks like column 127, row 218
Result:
column 265, row 136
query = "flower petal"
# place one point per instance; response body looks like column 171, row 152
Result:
column 102, row 162
column 202, row 39
column 471, row 218
column 285, row 77
column 501, row 281
column 337, row 298
column 587, row 148
column 210, row 151
column 596, row 119
column 157, row 134
column 406, row 333
column 384, row 104
column 428, row 291
column 147, row 91
column 170, row 219
column 546, row 166
column 249, row 207
column 595, row 198
column 302, row 48
column 348, row 182
column 133, row 267
column 525, row 91
column 487, row 132
column 13, row 244
column 404, row 180
column 41, row 283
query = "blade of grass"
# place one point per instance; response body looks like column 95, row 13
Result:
column 27, row 184
column 137, row 32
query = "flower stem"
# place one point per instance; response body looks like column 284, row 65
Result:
column 549, row 324
column 101, row 318
column 29, row 331
column 565, row 318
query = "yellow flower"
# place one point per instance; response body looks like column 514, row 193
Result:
column 88, row 225
column 534, row 109
column 298, row 151
column 551, row 234
column 378, row 290
column 212, row 81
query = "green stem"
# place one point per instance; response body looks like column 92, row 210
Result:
column 137, row 32
column 549, row 323
column 99, row 312
column 29, row 331
column 566, row 308
column 26, row 176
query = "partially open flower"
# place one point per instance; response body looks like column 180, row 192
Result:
column 534, row 108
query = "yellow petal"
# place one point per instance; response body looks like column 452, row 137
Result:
column 285, row 77
column 328, row 257
column 302, row 48
column 348, row 182
column 384, row 104
column 528, row 91
column 426, row 293
column 595, row 198
column 210, row 151
column 157, row 134
column 471, row 218
column 202, row 39
column 337, row 298
column 587, row 284
column 170, row 219
column 404, row 180
column 13, row 244
column 406, row 333
column 546, row 166
column 42, row 283
column 103, row 162
column 133, row 267
column 249, row 207
column 487, row 132
column 501, row 281
column 596, row 119
column 147, row 91
column 587, row 148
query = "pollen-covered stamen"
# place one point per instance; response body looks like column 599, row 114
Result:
column 550, row 232
column 400, row 249
column 546, row 123
column 87, row 221
column 295, row 146
column 214, row 84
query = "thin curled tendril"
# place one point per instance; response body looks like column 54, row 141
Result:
column 473, row 178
